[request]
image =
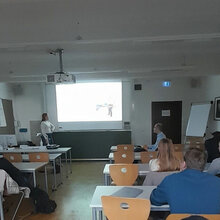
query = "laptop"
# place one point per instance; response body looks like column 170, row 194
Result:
column 53, row 146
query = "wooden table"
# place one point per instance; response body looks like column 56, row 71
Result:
column 143, row 169
column 100, row 191
column 32, row 167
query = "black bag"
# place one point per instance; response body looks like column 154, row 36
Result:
column 42, row 202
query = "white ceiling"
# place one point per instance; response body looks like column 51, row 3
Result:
column 103, row 39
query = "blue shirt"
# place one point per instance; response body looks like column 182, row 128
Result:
column 189, row 191
column 160, row 136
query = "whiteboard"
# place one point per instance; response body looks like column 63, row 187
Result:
column 2, row 115
column 198, row 119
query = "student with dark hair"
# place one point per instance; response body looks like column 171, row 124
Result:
column 158, row 129
column 190, row 191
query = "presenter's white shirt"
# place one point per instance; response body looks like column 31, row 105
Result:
column 47, row 127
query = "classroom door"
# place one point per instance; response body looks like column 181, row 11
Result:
column 170, row 115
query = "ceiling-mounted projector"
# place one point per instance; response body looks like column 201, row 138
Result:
column 61, row 76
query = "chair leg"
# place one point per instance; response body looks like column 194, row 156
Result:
column 46, row 184
column 1, row 207
column 19, row 203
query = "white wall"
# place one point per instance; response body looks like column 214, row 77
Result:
column 6, row 91
column 28, row 106
column 34, row 99
column 152, row 90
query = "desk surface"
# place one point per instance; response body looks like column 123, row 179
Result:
column 109, row 190
column 52, row 157
column 142, row 168
column 29, row 166
column 37, row 149
column 137, row 156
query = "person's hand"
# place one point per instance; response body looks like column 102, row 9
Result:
column 182, row 166
column 145, row 147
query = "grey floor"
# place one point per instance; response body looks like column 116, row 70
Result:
column 73, row 197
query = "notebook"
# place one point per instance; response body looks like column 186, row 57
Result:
column 128, row 192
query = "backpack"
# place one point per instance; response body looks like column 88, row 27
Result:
column 42, row 202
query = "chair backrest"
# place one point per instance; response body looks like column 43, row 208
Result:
column 13, row 158
column 146, row 156
column 38, row 157
column 182, row 216
column 155, row 178
column 124, row 157
column 123, row 174
column 179, row 155
column 116, row 208
column 125, row 147
column 178, row 147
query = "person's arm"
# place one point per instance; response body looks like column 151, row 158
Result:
column 158, row 196
column 214, row 167
column 155, row 146
column 52, row 127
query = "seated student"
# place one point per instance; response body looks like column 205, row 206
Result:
column 214, row 167
column 190, row 191
column 166, row 160
column 158, row 127
column 211, row 146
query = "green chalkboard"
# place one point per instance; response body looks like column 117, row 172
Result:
column 91, row 144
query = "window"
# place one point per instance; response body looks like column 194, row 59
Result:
column 89, row 102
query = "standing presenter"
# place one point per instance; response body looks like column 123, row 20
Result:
column 47, row 129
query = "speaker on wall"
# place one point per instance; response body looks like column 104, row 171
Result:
column 195, row 82
column 137, row 87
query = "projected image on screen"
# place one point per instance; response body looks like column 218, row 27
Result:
column 89, row 102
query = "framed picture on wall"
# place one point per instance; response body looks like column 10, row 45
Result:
column 217, row 109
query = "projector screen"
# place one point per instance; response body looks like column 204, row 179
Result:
column 89, row 102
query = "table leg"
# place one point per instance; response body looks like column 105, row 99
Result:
column 54, row 175
column 94, row 214
column 70, row 153
column 60, row 171
column 100, row 215
column 34, row 177
column 108, row 180
column 1, row 208
column 46, row 185
column 66, row 165
column 105, row 180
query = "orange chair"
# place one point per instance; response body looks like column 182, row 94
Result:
column 146, row 156
column 13, row 158
column 125, row 147
column 179, row 155
column 38, row 157
column 178, row 147
column 182, row 216
column 117, row 208
column 123, row 174
column 124, row 157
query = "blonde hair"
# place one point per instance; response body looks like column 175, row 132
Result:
column 166, row 158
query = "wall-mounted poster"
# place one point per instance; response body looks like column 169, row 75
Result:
column 2, row 115
column 217, row 108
